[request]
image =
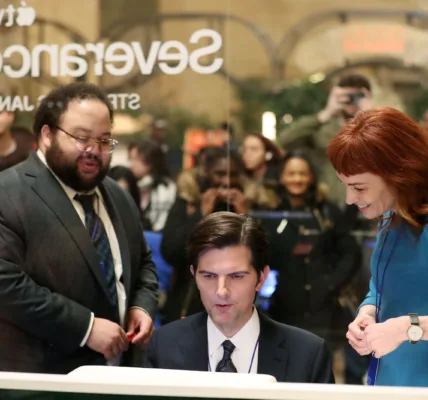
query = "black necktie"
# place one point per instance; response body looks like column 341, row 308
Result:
column 98, row 234
column 226, row 364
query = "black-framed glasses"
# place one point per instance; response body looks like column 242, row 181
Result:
column 84, row 143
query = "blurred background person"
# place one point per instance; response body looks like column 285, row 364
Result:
column 352, row 94
column 127, row 180
column 157, row 190
column 316, row 259
column 16, row 143
column 323, row 256
column 262, row 160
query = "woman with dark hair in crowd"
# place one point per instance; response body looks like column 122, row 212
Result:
column 262, row 160
column 321, row 257
column 157, row 190
column 125, row 178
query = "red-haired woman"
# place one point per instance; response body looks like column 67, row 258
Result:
column 381, row 156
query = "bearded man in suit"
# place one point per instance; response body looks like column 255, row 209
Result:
column 77, row 283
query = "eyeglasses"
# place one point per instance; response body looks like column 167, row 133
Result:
column 84, row 143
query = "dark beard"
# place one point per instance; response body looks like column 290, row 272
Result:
column 68, row 171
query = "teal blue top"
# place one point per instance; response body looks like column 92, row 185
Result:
column 405, row 291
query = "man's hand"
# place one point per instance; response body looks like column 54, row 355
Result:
column 140, row 327
column 208, row 200
column 337, row 99
column 107, row 338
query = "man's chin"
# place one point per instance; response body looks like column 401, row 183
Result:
column 87, row 184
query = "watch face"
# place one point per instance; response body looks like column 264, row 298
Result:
column 415, row 333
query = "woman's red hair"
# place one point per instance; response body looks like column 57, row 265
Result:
column 387, row 143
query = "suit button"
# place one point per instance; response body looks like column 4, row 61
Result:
column 308, row 287
column 306, row 260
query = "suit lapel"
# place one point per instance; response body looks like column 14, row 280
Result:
column 120, row 234
column 272, row 358
column 194, row 346
column 50, row 191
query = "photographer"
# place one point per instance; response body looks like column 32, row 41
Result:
column 352, row 94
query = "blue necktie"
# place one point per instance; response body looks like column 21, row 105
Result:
column 226, row 364
column 98, row 234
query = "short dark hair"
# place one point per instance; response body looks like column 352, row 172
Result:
column 120, row 172
column 354, row 81
column 214, row 154
column 54, row 105
column 226, row 229
column 155, row 156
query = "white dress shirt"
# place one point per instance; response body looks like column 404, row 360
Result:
column 101, row 210
column 246, row 345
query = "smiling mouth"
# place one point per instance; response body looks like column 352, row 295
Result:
column 363, row 206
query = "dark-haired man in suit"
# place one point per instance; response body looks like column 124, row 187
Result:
column 77, row 283
column 228, row 257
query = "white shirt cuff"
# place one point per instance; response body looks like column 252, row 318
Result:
column 88, row 332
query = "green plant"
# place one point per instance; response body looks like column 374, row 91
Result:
column 296, row 99
column 419, row 104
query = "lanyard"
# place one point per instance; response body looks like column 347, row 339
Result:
column 252, row 357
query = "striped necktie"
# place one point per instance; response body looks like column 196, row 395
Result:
column 226, row 364
column 98, row 234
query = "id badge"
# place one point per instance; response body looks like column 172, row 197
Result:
column 373, row 369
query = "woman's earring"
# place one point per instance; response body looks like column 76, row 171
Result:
column 268, row 156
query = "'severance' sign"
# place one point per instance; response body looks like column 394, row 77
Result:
column 117, row 59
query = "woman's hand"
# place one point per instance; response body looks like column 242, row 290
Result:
column 356, row 330
column 385, row 337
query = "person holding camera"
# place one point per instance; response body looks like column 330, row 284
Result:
column 352, row 94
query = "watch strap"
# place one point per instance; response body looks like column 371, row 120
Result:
column 414, row 319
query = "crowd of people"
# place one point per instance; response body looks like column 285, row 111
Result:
column 79, row 286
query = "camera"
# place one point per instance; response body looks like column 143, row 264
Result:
column 354, row 98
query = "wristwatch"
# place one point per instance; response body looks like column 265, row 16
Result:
column 415, row 332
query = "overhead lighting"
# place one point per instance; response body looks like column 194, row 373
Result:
column 316, row 78
column 287, row 118
column 269, row 125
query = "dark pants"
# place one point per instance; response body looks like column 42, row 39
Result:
column 355, row 366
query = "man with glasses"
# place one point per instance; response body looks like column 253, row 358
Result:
column 77, row 283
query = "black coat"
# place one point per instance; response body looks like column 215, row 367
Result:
column 315, row 259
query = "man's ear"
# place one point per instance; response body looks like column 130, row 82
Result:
column 46, row 136
column 192, row 270
column 262, row 278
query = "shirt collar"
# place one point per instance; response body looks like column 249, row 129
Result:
column 244, row 339
column 70, row 192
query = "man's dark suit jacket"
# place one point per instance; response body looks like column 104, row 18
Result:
column 50, row 276
column 287, row 353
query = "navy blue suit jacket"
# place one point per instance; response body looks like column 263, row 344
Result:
column 289, row 354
